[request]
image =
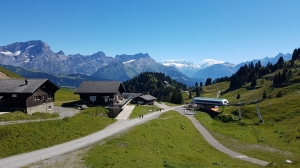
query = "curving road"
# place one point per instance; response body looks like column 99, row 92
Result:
column 117, row 127
column 216, row 144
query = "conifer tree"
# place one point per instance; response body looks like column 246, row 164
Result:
column 197, row 91
column 180, row 97
column 295, row 54
column 264, row 95
column 253, row 83
column 238, row 96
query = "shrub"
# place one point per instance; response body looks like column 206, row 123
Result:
column 279, row 94
column 225, row 117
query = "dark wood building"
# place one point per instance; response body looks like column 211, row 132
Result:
column 132, row 95
column 27, row 95
column 144, row 99
column 106, row 93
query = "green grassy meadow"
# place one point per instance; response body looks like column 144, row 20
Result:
column 10, row 73
column 65, row 97
column 26, row 137
column 171, row 141
column 142, row 110
column 276, row 139
column 18, row 115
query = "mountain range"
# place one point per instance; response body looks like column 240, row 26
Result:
column 216, row 69
column 37, row 55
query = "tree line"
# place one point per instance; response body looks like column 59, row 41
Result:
column 157, row 84
column 249, row 73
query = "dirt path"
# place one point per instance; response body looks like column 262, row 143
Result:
column 161, row 105
column 216, row 144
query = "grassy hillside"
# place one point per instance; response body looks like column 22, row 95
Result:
column 66, row 97
column 278, row 137
column 171, row 141
column 26, row 137
column 9, row 73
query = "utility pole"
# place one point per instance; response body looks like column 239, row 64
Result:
column 258, row 113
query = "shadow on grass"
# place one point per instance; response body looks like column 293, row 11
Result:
column 71, row 104
column 253, row 88
column 211, row 113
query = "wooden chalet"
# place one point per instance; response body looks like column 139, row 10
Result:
column 132, row 95
column 106, row 93
column 144, row 99
column 27, row 95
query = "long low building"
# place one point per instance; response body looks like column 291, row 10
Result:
column 210, row 101
column 209, row 104
column 139, row 98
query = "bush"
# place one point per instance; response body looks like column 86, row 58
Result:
column 225, row 117
column 279, row 94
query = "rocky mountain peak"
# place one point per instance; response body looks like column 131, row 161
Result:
column 99, row 54
column 61, row 52
column 125, row 57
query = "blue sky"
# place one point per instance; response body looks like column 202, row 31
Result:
column 227, row 30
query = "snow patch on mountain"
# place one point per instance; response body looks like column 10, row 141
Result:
column 211, row 62
column 180, row 64
column 126, row 62
column 183, row 64
column 10, row 53
column 29, row 47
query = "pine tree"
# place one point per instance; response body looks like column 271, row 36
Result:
column 174, row 98
column 197, row 91
column 280, row 63
column 190, row 95
column 180, row 97
column 238, row 96
column 264, row 95
column 279, row 94
column 295, row 55
column 208, row 81
column 253, row 83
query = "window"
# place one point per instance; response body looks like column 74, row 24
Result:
column 49, row 96
column 37, row 98
column 49, row 107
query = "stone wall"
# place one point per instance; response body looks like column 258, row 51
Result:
column 45, row 107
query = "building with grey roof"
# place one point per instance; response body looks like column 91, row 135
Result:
column 27, row 95
column 100, row 92
column 144, row 99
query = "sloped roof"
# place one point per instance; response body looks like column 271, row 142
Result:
column 100, row 87
column 133, row 95
column 148, row 97
column 19, row 85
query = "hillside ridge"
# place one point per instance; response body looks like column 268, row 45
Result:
column 3, row 76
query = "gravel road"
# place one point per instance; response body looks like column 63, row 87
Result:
column 216, row 144
column 65, row 111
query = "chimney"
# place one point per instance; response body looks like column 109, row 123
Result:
column 26, row 81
